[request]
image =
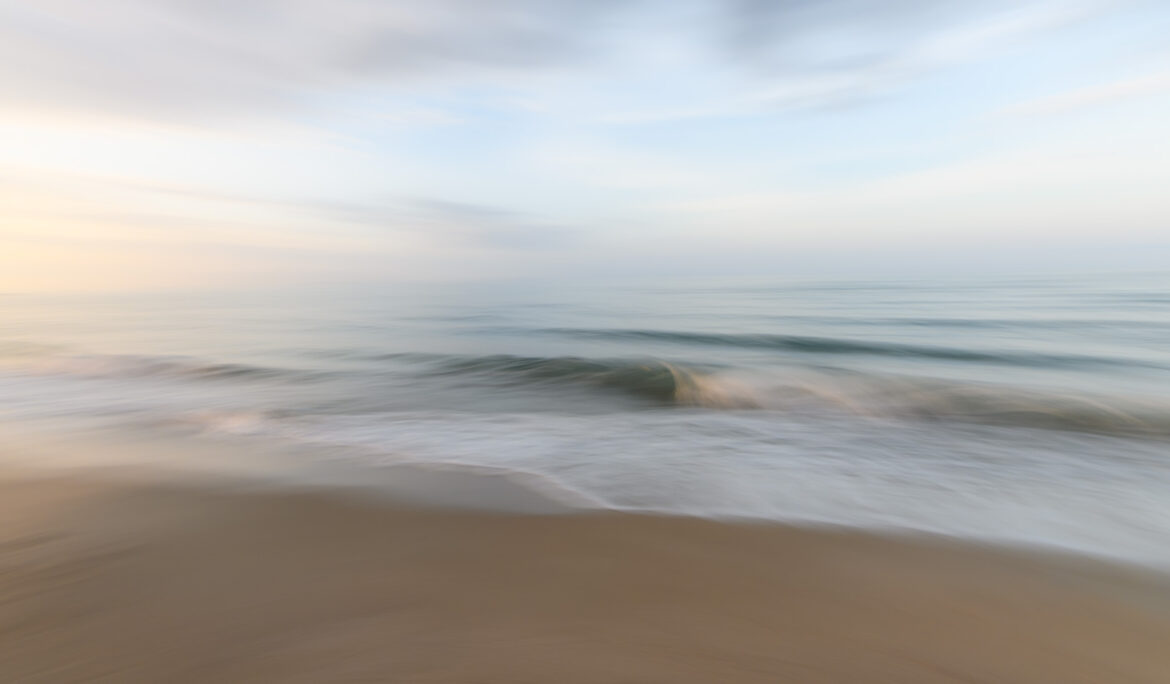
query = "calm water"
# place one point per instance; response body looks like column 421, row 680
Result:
column 1028, row 410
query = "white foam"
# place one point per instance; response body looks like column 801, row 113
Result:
column 1094, row 494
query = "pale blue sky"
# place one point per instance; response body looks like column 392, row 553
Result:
column 179, row 143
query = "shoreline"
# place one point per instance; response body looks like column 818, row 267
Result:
column 178, row 455
column 206, row 581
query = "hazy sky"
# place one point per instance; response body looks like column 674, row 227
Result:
column 179, row 143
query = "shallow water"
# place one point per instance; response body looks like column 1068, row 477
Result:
column 1029, row 410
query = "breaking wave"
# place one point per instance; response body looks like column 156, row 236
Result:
column 648, row 379
column 816, row 390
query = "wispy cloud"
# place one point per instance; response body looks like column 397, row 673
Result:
column 180, row 213
column 1090, row 96
column 208, row 60
column 783, row 55
column 491, row 226
column 833, row 51
column 186, row 59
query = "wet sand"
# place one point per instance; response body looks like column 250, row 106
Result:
column 107, row 581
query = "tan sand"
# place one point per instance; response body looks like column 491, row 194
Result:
column 149, row 583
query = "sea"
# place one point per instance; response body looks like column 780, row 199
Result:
column 1028, row 410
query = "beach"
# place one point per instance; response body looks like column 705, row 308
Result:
column 107, row 578
column 726, row 482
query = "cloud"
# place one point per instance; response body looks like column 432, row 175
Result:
column 153, row 211
column 85, row 232
column 445, row 221
column 799, row 36
column 491, row 226
column 1080, row 98
column 833, row 52
column 195, row 60
column 1047, row 192
column 808, row 36
column 746, row 58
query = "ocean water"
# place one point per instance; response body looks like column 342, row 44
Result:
column 1026, row 410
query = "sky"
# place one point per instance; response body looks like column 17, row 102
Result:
column 157, row 144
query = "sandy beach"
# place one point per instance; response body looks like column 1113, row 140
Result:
column 108, row 581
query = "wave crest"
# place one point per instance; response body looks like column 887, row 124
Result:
column 819, row 391
column 833, row 345
column 650, row 379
